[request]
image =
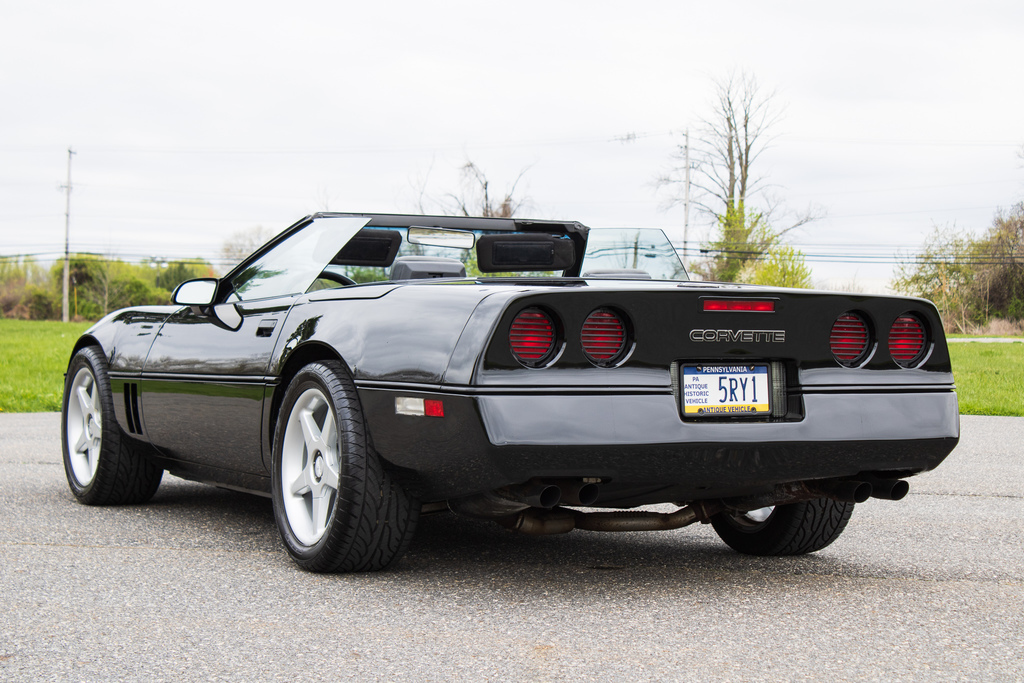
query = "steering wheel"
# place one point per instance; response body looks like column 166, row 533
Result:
column 336, row 277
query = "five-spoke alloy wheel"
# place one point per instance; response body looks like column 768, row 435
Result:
column 310, row 472
column 83, row 426
column 337, row 507
column 102, row 464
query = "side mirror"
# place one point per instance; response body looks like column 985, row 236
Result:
column 195, row 292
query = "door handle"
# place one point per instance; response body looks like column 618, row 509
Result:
column 266, row 327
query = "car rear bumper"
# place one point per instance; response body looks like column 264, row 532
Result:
column 641, row 448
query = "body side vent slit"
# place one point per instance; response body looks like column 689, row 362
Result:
column 135, row 409
column 129, row 416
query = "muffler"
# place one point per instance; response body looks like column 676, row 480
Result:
column 540, row 522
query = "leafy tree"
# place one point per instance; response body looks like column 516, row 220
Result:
column 367, row 274
column 943, row 273
column 16, row 275
column 1001, row 260
column 743, row 238
column 780, row 266
column 971, row 279
column 174, row 273
column 104, row 284
column 40, row 303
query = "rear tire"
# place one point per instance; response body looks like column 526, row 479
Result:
column 337, row 508
column 102, row 465
column 794, row 529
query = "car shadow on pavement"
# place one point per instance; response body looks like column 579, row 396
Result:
column 185, row 514
column 449, row 540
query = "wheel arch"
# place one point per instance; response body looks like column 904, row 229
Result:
column 84, row 341
column 300, row 357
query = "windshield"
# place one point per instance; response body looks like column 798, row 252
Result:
column 290, row 266
column 644, row 250
column 338, row 250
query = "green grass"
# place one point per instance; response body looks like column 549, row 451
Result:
column 33, row 357
column 989, row 377
column 975, row 336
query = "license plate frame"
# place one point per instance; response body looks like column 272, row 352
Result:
column 717, row 390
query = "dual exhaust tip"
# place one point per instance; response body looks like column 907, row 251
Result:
column 850, row 491
column 549, row 494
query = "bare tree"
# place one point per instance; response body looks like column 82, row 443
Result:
column 475, row 196
column 735, row 135
column 727, row 188
column 324, row 198
column 419, row 184
column 243, row 242
column 729, row 140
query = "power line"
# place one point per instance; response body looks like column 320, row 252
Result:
column 899, row 143
column 619, row 138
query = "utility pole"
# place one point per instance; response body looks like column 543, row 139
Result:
column 67, row 238
column 686, row 203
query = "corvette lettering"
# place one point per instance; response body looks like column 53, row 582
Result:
column 749, row 336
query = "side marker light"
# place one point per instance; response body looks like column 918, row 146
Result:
column 419, row 407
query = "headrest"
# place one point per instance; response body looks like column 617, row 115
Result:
column 423, row 267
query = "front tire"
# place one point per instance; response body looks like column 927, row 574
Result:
column 337, row 508
column 102, row 465
column 794, row 529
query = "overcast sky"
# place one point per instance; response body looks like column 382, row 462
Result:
column 192, row 120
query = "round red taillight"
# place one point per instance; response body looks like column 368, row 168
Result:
column 907, row 340
column 603, row 337
column 849, row 339
column 532, row 336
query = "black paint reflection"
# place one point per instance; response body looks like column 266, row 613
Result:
column 203, row 385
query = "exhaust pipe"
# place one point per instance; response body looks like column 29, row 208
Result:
column 843, row 491
column 508, row 501
column 579, row 493
column 534, row 494
column 888, row 489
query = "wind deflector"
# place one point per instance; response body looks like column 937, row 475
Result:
column 370, row 248
column 524, row 252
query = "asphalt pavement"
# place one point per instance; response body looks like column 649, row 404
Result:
column 195, row 586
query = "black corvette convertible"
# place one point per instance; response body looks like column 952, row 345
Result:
column 363, row 369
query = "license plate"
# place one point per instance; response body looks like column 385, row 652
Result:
column 725, row 390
